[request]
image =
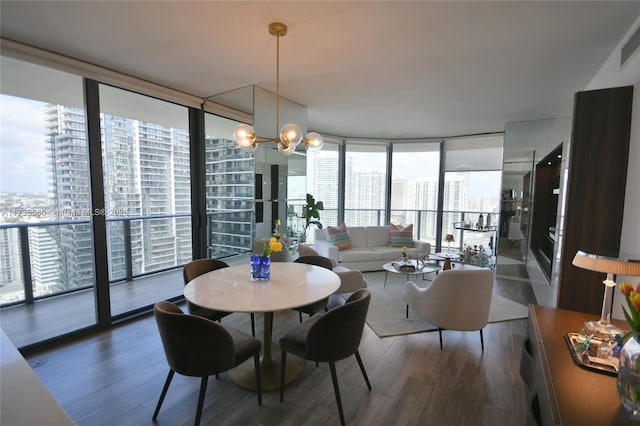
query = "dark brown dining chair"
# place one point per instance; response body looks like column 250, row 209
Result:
column 194, row 269
column 198, row 347
column 329, row 337
column 315, row 307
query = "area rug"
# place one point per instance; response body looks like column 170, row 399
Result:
column 386, row 315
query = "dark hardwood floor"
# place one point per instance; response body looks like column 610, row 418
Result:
column 115, row 378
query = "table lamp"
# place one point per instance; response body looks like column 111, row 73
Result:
column 611, row 266
column 449, row 239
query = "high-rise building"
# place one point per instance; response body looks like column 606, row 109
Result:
column 230, row 185
column 68, row 167
column 426, row 201
column 10, row 266
column 367, row 201
column 45, row 260
column 322, row 181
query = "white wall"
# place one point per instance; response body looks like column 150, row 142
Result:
column 612, row 75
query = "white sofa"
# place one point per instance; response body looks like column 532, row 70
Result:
column 370, row 248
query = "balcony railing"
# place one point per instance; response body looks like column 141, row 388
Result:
column 44, row 247
column 36, row 256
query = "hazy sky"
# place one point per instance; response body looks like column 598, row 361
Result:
column 22, row 145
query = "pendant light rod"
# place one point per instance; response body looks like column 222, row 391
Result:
column 278, row 35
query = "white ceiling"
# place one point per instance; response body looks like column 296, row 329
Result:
column 383, row 69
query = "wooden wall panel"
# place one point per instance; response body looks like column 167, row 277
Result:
column 595, row 193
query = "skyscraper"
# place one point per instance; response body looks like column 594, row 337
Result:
column 68, row 167
column 230, row 181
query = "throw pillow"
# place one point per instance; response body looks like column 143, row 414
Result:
column 339, row 236
column 401, row 236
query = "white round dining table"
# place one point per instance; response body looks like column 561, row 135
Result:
column 291, row 285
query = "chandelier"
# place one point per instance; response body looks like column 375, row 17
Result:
column 290, row 134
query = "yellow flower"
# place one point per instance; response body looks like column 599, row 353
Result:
column 271, row 246
column 626, row 288
column 635, row 300
column 277, row 222
column 275, row 245
column 632, row 313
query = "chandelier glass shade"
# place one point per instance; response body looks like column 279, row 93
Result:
column 289, row 135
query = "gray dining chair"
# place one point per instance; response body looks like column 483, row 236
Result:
column 329, row 337
column 315, row 307
column 198, row 347
column 198, row 267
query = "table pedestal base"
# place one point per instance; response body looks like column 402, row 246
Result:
column 244, row 375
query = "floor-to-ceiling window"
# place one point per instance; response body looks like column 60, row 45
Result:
column 472, row 189
column 46, row 240
column 147, row 191
column 415, row 174
column 365, row 183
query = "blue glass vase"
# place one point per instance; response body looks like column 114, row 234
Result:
column 260, row 267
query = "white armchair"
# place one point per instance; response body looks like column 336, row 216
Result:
column 350, row 281
column 455, row 300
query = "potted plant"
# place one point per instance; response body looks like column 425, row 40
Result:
column 311, row 212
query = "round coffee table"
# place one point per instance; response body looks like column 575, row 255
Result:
column 453, row 255
column 422, row 268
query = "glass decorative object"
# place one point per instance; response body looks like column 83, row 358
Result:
column 260, row 267
column 629, row 378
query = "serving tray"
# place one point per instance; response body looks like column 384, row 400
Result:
column 589, row 359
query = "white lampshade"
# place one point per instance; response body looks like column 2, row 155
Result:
column 609, row 265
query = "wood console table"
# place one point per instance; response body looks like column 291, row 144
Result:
column 568, row 394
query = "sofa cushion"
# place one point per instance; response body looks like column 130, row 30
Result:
column 358, row 236
column 339, row 237
column 359, row 255
column 387, row 254
column 377, row 236
column 400, row 236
